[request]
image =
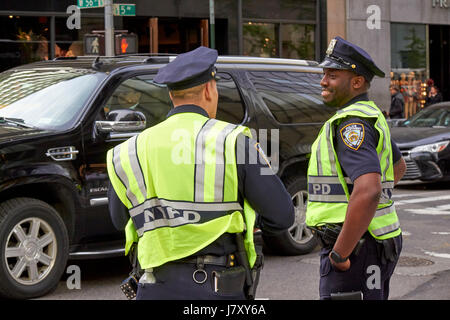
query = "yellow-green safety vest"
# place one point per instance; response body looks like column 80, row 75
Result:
column 179, row 181
column 328, row 189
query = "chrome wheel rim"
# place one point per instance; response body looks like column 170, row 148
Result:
column 30, row 252
column 299, row 232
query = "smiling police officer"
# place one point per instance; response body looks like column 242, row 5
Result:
column 353, row 168
column 192, row 205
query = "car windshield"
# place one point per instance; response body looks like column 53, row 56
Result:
column 429, row 118
column 49, row 99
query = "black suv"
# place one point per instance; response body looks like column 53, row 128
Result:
column 58, row 118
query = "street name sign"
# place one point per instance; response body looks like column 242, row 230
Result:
column 123, row 9
column 83, row 4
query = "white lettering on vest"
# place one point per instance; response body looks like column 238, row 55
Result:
column 316, row 188
column 323, row 188
column 326, row 189
column 167, row 216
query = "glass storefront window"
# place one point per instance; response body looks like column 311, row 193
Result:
column 409, row 65
column 263, row 39
column 277, row 9
column 297, row 41
column 23, row 40
column 69, row 43
column 260, row 39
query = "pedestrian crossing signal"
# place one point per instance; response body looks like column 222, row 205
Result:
column 94, row 44
column 126, row 43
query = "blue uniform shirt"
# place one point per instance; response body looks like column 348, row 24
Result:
column 275, row 212
column 356, row 160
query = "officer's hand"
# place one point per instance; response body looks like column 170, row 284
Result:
column 343, row 266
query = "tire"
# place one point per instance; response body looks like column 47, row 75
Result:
column 297, row 239
column 34, row 247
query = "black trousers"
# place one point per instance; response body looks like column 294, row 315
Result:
column 174, row 282
column 367, row 272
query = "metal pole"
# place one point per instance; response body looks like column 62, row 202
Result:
column 212, row 24
column 52, row 37
column 109, row 28
column 239, row 28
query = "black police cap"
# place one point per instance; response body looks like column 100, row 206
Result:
column 189, row 69
column 344, row 55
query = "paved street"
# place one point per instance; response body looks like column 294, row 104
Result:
column 423, row 271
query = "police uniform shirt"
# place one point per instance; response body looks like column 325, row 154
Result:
column 357, row 155
column 275, row 212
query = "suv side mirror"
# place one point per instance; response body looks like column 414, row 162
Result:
column 122, row 120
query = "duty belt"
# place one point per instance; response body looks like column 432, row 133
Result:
column 224, row 261
column 200, row 276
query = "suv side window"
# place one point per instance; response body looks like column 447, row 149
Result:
column 230, row 107
column 141, row 94
column 292, row 97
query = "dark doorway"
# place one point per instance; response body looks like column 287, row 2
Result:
column 440, row 58
column 176, row 35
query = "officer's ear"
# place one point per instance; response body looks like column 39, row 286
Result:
column 358, row 82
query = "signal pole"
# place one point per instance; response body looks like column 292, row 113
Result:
column 109, row 28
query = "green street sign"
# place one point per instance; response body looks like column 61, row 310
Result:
column 82, row 4
column 121, row 9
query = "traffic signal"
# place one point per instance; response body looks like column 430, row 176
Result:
column 94, row 44
column 126, row 43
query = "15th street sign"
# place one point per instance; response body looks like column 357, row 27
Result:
column 124, row 9
column 91, row 4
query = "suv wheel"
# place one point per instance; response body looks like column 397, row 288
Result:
column 298, row 239
column 34, row 248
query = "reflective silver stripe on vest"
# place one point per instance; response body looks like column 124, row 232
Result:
column 332, row 159
column 156, row 213
column 220, row 162
column 200, row 152
column 330, row 151
column 135, row 166
column 185, row 205
column 122, row 175
column 385, row 147
column 324, row 184
column 384, row 211
column 341, row 198
column 385, row 230
column 323, row 179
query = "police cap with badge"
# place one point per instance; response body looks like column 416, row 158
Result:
column 189, row 69
column 344, row 55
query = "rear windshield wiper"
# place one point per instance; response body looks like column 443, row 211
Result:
column 16, row 121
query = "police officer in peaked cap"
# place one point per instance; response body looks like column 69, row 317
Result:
column 352, row 171
column 189, row 203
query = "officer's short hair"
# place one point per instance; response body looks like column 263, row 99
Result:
column 193, row 92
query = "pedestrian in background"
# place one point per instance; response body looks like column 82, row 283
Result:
column 193, row 218
column 397, row 109
column 352, row 171
column 434, row 96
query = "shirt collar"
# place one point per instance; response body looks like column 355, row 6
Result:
column 188, row 108
column 362, row 97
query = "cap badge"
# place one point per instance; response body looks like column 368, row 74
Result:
column 353, row 66
column 331, row 47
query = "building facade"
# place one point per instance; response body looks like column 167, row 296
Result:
column 37, row 30
column 408, row 39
